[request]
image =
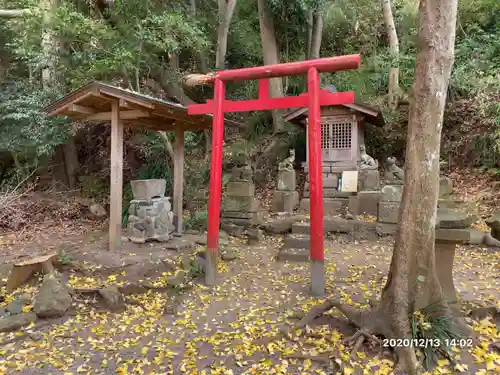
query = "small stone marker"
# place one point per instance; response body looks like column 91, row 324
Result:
column 22, row 271
column 349, row 181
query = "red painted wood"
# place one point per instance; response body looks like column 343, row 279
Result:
column 315, row 175
column 328, row 64
column 326, row 98
column 263, row 88
column 216, row 168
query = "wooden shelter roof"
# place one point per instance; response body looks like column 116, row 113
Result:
column 93, row 103
column 371, row 114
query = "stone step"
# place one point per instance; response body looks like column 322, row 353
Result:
column 297, row 241
column 337, row 225
column 294, row 255
column 331, row 206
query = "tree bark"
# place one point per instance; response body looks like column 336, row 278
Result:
column 412, row 282
column 310, row 23
column 270, row 51
column 226, row 11
column 168, row 145
column 316, row 35
column 201, row 54
column 393, row 84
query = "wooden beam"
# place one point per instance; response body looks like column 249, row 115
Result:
column 124, row 115
column 115, row 199
column 118, row 96
column 64, row 106
column 81, row 109
column 178, row 177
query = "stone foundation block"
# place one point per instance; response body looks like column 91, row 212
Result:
column 287, row 180
column 445, row 187
column 331, row 206
column 453, row 219
column 388, row 212
column 240, row 203
column 339, row 225
column 240, row 189
column 368, row 180
column 455, row 236
column 391, row 193
column 255, row 220
column 368, row 202
column 353, row 205
column 237, row 214
column 285, row 201
column 147, row 189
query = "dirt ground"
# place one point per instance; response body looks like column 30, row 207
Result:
column 229, row 329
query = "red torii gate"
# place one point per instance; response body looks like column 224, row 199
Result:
column 313, row 99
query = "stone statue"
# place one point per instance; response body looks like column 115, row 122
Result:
column 367, row 162
column 393, row 174
column 288, row 163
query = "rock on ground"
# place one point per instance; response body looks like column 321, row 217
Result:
column 16, row 306
column 112, row 298
column 14, row 322
column 53, row 298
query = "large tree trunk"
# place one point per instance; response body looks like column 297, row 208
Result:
column 393, row 84
column 412, row 282
column 226, row 11
column 270, row 52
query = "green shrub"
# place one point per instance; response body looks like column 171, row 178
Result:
column 197, row 220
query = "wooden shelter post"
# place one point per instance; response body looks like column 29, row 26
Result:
column 116, row 191
column 178, row 177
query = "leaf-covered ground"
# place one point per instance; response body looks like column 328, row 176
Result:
column 232, row 328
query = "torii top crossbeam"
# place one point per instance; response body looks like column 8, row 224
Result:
column 313, row 99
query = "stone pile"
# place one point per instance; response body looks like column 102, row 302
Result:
column 240, row 209
column 149, row 216
column 286, row 197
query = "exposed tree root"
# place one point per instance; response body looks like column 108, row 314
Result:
column 358, row 338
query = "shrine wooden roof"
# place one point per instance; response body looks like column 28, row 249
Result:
column 371, row 114
column 93, row 103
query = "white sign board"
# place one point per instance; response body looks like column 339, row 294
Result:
column 350, row 181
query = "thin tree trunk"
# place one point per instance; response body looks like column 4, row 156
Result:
column 202, row 54
column 412, row 282
column 310, row 23
column 171, row 84
column 168, row 145
column 316, row 35
column 393, row 84
column 226, row 11
column 270, row 52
